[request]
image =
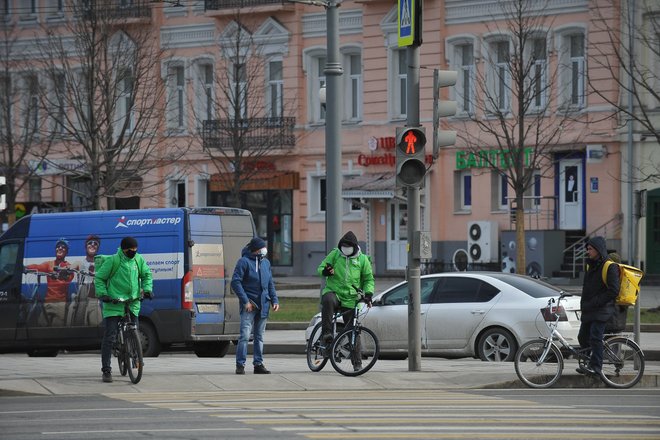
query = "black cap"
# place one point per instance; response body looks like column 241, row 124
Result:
column 256, row 243
column 128, row 243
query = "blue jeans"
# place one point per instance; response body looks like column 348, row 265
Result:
column 251, row 320
column 591, row 335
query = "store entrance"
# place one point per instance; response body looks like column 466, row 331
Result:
column 397, row 235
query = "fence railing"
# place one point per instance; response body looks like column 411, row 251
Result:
column 577, row 252
column 539, row 212
column 215, row 5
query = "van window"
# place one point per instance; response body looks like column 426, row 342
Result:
column 8, row 256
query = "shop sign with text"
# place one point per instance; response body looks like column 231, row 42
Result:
column 495, row 158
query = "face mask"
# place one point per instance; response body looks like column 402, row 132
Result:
column 130, row 254
column 263, row 252
column 347, row 250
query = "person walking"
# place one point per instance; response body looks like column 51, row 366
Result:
column 344, row 269
column 597, row 303
column 124, row 276
column 253, row 283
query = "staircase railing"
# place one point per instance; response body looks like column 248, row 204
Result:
column 578, row 252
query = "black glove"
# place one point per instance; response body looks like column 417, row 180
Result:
column 327, row 271
column 367, row 299
column 148, row 295
column 105, row 299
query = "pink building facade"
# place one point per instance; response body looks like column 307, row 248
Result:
column 577, row 190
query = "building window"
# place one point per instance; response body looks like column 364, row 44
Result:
column 34, row 189
column 5, row 106
column 353, row 87
column 500, row 81
column 465, row 78
column 538, row 74
column 532, row 200
column 320, row 83
column 239, row 92
column 125, row 83
column 500, row 193
column 207, row 70
column 177, row 97
column 32, row 105
column 351, row 208
column 399, row 87
column 58, row 104
column 462, row 191
column 275, row 90
column 572, row 69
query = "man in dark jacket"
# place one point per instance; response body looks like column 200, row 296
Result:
column 253, row 284
column 597, row 303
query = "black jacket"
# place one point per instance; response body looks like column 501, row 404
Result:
column 597, row 301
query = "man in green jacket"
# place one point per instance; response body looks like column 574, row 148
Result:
column 124, row 276
column 344, row 268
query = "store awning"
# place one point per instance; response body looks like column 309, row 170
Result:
column 262, row 180
column 370, row 186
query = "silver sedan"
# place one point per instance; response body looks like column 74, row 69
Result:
column 487, row 315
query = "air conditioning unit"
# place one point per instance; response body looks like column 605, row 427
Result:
column 483, row 246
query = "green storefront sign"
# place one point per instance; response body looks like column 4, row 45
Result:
column 496, row 158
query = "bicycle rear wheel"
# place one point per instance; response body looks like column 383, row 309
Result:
column 623, row 363
column 133, row 353
column 354, row 351
column 316, row 350
column 536, row 373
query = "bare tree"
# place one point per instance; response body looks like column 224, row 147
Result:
column 630, row 54
column 108, row 99
column 512, row 105
column 244, row 116
column 21, row 121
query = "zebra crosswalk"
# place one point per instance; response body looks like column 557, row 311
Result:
column 401, row 414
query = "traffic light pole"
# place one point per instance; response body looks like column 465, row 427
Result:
column 413, row 272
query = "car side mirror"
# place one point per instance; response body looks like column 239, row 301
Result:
column 376, row 302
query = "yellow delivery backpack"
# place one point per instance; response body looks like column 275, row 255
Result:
column 629, row 288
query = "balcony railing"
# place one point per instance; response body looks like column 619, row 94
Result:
column 258, row 133
column 117, row 8
column 216, row 5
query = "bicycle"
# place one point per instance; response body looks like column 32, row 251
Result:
column 539, row 363
column 128, row 348
column 355, row 344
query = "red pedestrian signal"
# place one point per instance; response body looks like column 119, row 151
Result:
column 410, row 156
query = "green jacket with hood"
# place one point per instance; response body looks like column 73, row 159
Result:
column 131, row 276
column 352, row 270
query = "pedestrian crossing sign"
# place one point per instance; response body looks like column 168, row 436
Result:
column 406, row 22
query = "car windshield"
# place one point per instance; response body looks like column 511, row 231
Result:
column 531, row 286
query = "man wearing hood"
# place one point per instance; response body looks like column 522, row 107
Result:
column 253, row 284
column 598, row 302
column 345, row 268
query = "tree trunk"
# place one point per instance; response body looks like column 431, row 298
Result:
column 520, row 235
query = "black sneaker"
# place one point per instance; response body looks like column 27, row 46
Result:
column 357, row 367
column 240, row 369
column 260, row 369
column 583, row 369
column 107, row 377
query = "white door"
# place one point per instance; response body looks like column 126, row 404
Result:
column 571, row 194
column 397, row 235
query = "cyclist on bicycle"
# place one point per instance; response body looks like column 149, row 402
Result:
column 122, row 281
column 343, row 268
column 597, row 303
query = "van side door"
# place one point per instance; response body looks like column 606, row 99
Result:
column 12, row 306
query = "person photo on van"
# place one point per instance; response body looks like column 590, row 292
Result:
column 85, row 309
column 253, row 284
column 57, row 285
column 121, row 277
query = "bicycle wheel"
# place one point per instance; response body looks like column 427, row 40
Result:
column 120, row 352
column 537, row 373
column 315, row 349
column 354, row 351
column 623, row 363
column 133, row 353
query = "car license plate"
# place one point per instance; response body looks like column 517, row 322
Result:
column 208, row 308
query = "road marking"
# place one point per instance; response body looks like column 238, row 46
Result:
column 107, row 431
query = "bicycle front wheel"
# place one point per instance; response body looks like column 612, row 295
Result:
column 539, row 365
column 316, row 350
column 120, row 352
column 623, row 363
column 133, row 355
column 354, row 351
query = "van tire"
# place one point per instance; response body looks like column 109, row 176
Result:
column 151, row 346
column 44, row 352
column 211, row 349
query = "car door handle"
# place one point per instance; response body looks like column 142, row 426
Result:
column 478, row 312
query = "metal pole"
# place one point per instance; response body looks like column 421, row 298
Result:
column 414, row 285
column 333, row 72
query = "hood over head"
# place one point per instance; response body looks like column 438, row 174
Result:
column 349, row 239
column 599, row 244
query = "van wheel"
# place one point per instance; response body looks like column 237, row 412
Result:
column 211, row 349
column 46, row 352
column 149, row 339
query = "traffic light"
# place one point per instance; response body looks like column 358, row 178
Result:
column 410, row 152
column 442, row 109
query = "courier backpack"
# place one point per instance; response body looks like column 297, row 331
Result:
column 630, row 278
column 100, row 260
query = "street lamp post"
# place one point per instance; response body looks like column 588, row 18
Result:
column 333, row 72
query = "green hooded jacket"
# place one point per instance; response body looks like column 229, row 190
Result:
column 132, row 276
column 349, row 271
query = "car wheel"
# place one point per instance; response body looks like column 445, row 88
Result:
column 497, row 345
column 149, row 340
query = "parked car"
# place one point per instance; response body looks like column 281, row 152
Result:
column 485, row 315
